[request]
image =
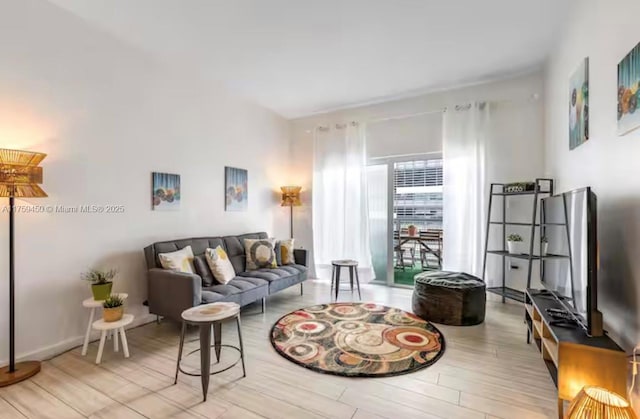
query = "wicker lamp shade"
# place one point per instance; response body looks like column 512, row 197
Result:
column 599, row 403
column 20, row 174
column 291, row 196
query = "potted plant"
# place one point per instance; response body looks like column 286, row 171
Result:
column 514, row 244
column 100, row 282
column 413, row 230
column 113, row 308
column 544, row 246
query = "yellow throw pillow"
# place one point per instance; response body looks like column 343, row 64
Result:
column 260, row 253
column 180, row 261
column 220, row 265
column 286, row 252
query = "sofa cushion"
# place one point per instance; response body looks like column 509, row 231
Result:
column 202, row 269
column 220, row 265
column 234, row 245
column 268, row 274
column 241, row 290
column 294, row 269
column 179, row 260
column 286, row 282
column 284, row 252
column 236, row 285
column 260, row 254
column 211, row 297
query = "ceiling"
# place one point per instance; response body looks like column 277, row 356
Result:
column 299, row 57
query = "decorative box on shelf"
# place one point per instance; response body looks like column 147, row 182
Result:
column 518, row 187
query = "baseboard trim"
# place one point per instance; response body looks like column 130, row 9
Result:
column 51, row 351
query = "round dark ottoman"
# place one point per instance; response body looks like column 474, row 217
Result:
column 452, row 298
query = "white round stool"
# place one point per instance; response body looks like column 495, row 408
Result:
column 118, row 326
column 93, row 305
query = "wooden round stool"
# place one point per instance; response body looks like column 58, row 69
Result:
column 115, row 327
column 337, row 265
column 206, row 317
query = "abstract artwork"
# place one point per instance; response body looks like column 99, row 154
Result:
column 628, row 92
column 165, row 191
column 236, row 189
column 579, row 105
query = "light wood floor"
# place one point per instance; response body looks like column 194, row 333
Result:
column 487, row 371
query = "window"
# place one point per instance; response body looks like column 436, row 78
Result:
column 417, row 194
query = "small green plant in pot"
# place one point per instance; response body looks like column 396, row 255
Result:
column 514, row 244
column 113, row 308
column 101, row 282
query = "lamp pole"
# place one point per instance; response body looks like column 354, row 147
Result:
column 20, row 176
column 291, row 219
column 12, row 311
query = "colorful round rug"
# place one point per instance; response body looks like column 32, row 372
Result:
column 357, row 340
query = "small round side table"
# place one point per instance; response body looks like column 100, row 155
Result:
column 93, row 305
column 352, row 265
column 116, row 327
column 206, row 317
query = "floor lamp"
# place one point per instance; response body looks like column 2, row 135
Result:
column 291, row 198
column 19, row 178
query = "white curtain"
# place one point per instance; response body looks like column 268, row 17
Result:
column 340, row 214
column 466, row 133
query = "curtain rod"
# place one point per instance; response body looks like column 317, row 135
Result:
column 532, row 98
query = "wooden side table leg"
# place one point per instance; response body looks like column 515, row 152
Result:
column 103, row 337
column 87, row 335
column 182, row 333
column 351, row 277
column 338, row 269
column 125, row 344
column 244, row 372
column 333, row 279
column 205, row 357
column 217, row 339
column 115, row 341
column 358, row 283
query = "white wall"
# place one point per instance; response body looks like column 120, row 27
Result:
column 518, row 123
column 605, row 31
column 108, row 115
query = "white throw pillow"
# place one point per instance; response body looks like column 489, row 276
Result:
column 180, row 261
column 220, row 265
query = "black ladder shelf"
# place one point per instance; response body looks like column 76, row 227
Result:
column 543, row 187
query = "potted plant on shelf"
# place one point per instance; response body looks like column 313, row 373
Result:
column 544, row 246
column 101, row 283
column 413, row 230
column 514, row 244
column 113, row 308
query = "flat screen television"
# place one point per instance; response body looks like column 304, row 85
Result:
column 570, row 269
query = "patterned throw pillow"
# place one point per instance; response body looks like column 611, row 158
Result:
column 285, row 249
column 180, row 261
column 220, row 265
column 260, row 254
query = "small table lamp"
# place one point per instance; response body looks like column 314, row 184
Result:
column 598, row 403
column 291, row 198
column 19, row 178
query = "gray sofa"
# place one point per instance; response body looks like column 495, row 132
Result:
column 170, row 293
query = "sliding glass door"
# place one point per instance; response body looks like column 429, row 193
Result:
column 405, row 211
column 378, row 195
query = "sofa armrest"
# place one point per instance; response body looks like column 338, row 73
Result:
column 170, row 292
column 301, row 257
